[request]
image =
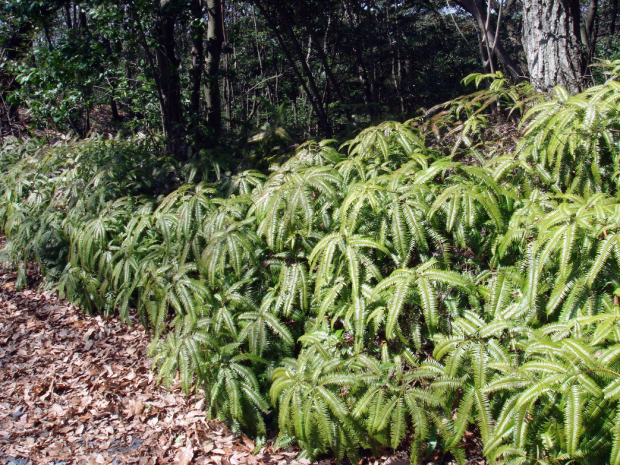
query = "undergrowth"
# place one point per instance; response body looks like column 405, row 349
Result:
column 418, row 281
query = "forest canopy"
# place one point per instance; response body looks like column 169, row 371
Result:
column 361, row 225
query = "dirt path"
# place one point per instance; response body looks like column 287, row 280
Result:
column 79, row 389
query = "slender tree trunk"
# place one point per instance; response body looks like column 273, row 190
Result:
column 197, row 54
column 215, row 38
column 321, row 115
column 46, row 30
column 228, row 86
column 359, row 62
column 484, row 58
column 312, row 96
column 371, row 48
column 324, row 61
column 590, row 28
column 114, row 108
column 612, row 25
column 258, row 52
column 478, row 9
column 587, row 26
column 552, row 43
column 68, row 16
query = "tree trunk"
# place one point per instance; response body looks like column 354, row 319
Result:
column 169, row 79
column 215, row 38
column 313, row 97
column 328, row 71
column 552, row 44
column 478, row 9
column 68, row 16
column 359, row 62
column 320, row 109
column 612, row 25
column 197, row 54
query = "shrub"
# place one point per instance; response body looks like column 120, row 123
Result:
column 410, row 285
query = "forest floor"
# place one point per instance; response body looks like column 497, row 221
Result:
column 79, row 389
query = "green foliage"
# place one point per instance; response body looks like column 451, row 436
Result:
column 377, row 295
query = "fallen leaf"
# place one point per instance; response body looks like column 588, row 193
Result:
column 184, row 456
column 207, row 447
column 87, row 335
column 248, row 443
column 57, row 410
column 138, row 408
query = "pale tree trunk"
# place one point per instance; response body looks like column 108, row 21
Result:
column 552, row 43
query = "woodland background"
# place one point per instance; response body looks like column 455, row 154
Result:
column 209, row 73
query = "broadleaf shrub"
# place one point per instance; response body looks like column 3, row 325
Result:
column 417, row 282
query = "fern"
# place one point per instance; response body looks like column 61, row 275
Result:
column 423, row 280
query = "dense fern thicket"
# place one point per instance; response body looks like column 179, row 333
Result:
column 422, row 279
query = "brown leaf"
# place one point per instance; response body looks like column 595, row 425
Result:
column 87, row 335
column 248, row 443
column 207, row 447
column 57, row 410
column 184, row 456
column 138, row 407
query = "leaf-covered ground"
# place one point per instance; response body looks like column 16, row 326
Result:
column 79, row 389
